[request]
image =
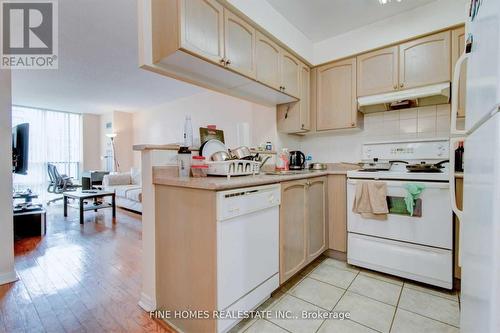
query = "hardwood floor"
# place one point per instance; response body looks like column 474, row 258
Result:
column 78, row 278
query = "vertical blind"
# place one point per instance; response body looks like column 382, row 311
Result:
column 55, row 137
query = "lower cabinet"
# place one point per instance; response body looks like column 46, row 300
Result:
column 303, row 227
column 337, row 213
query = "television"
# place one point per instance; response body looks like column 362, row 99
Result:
column 20, row 145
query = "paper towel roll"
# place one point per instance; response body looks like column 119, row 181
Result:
column 243, row 134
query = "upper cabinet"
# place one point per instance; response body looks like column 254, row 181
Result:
column 290, row 74
column 268, row 60
column 295, row 117
column 457, row 49
column 377, row 71
column 336, row 105
column 202, row 42
column 202, row 28
column 425, row 61
column 239, row 44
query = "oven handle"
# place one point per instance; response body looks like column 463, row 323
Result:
column 453, row 198
column 392, row 183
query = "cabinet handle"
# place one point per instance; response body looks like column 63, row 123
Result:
column 303, row 126
column 284, row 88
column 353, row 124
column 223, row 61
column 395, row 86
column 402, row 85
column 228, row 62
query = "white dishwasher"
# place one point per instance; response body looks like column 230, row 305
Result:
column 247, row 249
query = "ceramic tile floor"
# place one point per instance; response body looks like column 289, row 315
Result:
column 376, row 303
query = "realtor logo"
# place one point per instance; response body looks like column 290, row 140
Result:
column 29, row 34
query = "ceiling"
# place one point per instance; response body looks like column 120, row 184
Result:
column 98, row 64
column 322, row 19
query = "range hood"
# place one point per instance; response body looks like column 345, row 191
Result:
column 409, row 98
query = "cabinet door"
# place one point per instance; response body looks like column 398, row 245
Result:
column 377, row 71
column 316, row 217
column 295, row 117
column 268, row 61
column 290, row 74
column 336, row 105
column 293, row 239
column 239, row 44
column 425, row 61
column 457, row 49
column 202, row 31
column 337, row 212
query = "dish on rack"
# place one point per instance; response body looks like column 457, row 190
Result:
column 212, row 146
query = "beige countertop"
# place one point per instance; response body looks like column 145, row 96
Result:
column 168, row 176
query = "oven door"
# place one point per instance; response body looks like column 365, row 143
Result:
column 432, row 226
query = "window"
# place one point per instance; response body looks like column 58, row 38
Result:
column 55, row 137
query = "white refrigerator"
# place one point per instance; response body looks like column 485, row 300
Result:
column 479, row 250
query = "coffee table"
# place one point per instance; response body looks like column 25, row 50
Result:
column 94, row 196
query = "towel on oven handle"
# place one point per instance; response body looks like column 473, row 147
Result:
column 371, row 200
column 413, row 193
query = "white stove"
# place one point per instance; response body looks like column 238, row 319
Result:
column 414, row 246
column 413, row 152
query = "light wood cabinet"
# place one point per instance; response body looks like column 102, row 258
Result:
column 268, row 61
column 336, row 104
column 337, row 212
column 202, row 28
column 302, row 224
column 293, row 239
column 290, row 74
column 425, row 61
column 295, row 117
column 316, row 217
column 457, row 49
column 239, row 44
column 377, row 71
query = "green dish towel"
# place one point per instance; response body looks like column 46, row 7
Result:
column 414, row 190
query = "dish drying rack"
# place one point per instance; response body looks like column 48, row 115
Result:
column 233, row 168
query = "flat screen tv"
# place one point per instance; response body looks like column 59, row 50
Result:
column 20, row 144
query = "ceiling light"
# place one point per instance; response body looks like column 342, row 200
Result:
column 383, row 2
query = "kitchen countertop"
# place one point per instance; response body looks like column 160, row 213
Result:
column 168, row 176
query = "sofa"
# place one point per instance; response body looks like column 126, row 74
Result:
column 127, row 187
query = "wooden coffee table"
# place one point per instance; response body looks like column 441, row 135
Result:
column 91, row 195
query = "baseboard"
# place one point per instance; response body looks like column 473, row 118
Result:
column 334, row 254
column 147, row 303
column 8, row 277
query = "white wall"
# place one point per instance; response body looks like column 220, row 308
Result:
column 122, row 126
column 345, row 146
column 91, row 134
column 164, row 124
column 7, row 272
column 421, row 20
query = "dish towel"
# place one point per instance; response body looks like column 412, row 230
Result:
column 371, row 200
column 414, row 190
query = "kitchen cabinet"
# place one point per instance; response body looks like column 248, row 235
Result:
column 239, row 44
column 268, row 61
column 290, row 74
column 302, row 224
column 337, row 213
column 295, row 117
column 316, row 217
column 336, row 104
column 457, row 49
column 425, row 61
column 202, row 29
column 377, row 71
column 206, row 44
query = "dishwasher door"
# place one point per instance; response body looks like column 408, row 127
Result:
column 247, row 245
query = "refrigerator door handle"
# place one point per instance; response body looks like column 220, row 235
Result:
column 453, row 199
column 454, row 95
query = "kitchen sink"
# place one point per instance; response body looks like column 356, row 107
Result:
column 288, row 172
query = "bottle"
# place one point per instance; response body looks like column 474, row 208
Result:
column 308, row 162
column 282, row 162
column 459, row 157
column 184, row 162
column 188, row 132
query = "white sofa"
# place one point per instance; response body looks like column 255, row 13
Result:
column 127, row 187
